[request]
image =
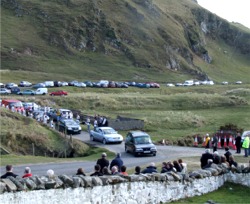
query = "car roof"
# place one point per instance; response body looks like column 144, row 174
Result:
column 61, row 109
column 138, row 133
column 106, row 128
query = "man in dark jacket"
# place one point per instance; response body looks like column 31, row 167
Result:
column 97, row 171
column 9, row 172
column 150, row 169
column 238, row 143
column 215, row 143
column 103, row 161
column 227, row 154
column 117, row 161
column 204, row 158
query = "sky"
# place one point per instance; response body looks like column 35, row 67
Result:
column 231, row 10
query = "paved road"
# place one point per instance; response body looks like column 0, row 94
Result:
column 165, row 153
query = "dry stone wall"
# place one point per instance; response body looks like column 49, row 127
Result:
column 133, row 189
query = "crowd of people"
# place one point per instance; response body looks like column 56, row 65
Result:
column 116, row 167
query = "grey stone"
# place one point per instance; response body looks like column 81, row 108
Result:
column 19, row 185
column 68, row 182
column 11, row 187
column 77, row 181
column 87, row 181
column 30, row 183
column 40, row 183
column 96, row 181
column 116, row 179
column 50, row 184
column 2, row 187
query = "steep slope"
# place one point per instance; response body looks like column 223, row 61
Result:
column 162, row 40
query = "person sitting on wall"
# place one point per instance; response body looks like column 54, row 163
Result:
column 183, row 165
column 80, row 172
column 232, row 162
column 216, row 158
column 150, row 169
column 105, row 171
column 97, row 171
column 167, row 167
column 209, row 163
column 227, row 154
column 204, row 158
column 27, row 172
column 9, row 172
column 123, row 170
column 137, row 170
column 177, row 166
column 224, row 162
column 114, row 170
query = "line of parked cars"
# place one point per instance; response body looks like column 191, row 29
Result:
column 197, row 83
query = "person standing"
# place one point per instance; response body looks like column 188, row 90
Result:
column 103, row 161
column 238, row 143
column 215, row 143
column 117, row 161
column 88, row 124
column 245, row 145
column 207, row 142
column 9, row 172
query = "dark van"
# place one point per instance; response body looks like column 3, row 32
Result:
column 139, row 143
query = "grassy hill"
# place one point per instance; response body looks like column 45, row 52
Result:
column 160, row 40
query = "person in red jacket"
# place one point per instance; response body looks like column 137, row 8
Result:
column 27, row 172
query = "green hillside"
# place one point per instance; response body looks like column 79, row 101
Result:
column 160, row 40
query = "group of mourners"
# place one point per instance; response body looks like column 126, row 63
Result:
column 115, row 167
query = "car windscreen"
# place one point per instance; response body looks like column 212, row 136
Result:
column 109, row 131
column 16, row 104
column 144, row 139
column 71, row 123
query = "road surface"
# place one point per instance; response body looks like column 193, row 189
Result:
column 164, row 153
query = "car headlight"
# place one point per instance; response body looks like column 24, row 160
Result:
column 69, row 128
column 79, row 128
column 153, row 148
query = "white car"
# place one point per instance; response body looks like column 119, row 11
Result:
column 238, row 82
column 105, row 135
column 80, row 84
column 224, row 83
column 25, row 84
column 169, row 85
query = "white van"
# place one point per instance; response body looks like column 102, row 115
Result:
column 49, row 83
column 42, row 91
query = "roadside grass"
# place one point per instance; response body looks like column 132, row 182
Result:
column 94, row 154
column 228, row 193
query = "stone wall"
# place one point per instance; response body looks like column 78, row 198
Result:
column 133, row 189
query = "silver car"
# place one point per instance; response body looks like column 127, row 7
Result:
column 105, row 135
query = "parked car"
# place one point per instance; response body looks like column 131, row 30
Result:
column 25, row 84
column 15, row 90
column 59, row 113
column 105, row 135
column 59, row 93
column 69, row 126
column 41, row 91
column 4, row 91
column 49, row 83
column 57, row 83
column 64, row 83
column 30, row 106
column 13, row 102
column 170, row 85
column 2, row 85
column 88, row 83
column 238, row 82
column 26, row 92
column 178, row 84
column 72, row 83
column 224, row 83
column 10, row 85
column 80, row 84
column 39, row 85
column 139, row 143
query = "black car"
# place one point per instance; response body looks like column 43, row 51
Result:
column 57, row 83
column 69, row 126
column 139, row 143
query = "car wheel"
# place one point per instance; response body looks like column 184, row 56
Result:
column 104, row 141
column 126, row 149
column 32, row 94
column 43, row 93
column 154, row 154
column 92, row 138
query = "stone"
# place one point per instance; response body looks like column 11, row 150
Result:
column 30, row 183
column 40, row 183
column 78, row 181
column 87, row 181
column 116, row 179
column 2, row 187
column 68, row 182
column 11, row 187
column 96, row 181
column 50, row 184
column 19, row 185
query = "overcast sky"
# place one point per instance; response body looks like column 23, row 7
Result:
column 232, row 10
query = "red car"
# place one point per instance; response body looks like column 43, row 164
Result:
column 59, row 93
